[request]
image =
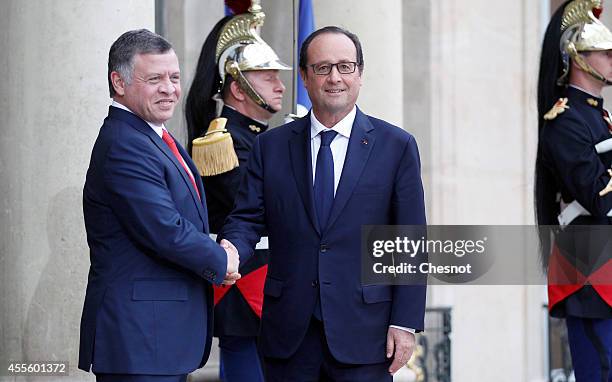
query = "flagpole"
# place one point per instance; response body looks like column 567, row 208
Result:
column 296, row 15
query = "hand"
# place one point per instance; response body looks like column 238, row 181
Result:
column 233, row 260
column 401, row 343
column 608, row 187
column 231, row 278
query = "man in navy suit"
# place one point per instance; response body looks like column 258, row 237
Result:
column 311, row 185
column 148, row 307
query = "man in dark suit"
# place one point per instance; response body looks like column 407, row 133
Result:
column 311, row 185
column 148, row 307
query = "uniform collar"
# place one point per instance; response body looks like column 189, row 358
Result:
column 236, row 118
column 582, row 97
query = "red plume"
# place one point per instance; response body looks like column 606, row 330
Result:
column 238, row 6
column 597, row 11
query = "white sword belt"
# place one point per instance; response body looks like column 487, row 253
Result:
column 263, row 242
column 571, row 211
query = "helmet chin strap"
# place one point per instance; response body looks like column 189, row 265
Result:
column 232, row 68
column 582, row 64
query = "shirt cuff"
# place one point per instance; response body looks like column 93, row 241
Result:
column 403, row 328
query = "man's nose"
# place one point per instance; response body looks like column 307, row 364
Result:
column 167, row 86
column 334, row 75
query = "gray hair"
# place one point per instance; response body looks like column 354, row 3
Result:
column 126, row 47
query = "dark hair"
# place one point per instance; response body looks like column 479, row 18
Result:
column 200, row 108
column 127, row 46
column 330, row 29
column 549, row 91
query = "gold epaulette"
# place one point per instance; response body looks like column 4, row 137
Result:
column 214, row 153
column 559, row 107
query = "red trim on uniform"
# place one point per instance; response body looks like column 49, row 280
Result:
column 219, row 292
column 251, row 286
column 601, row 280
column 563, row 278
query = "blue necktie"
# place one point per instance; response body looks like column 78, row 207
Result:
column 324, row 179
column 324, row 191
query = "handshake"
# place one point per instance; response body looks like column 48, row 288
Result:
column 233, row 261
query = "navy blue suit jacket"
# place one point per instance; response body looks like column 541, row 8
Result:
column 380, row 184
column 148, row 305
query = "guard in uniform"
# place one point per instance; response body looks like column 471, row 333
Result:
column 573, row 182
column 236, row 80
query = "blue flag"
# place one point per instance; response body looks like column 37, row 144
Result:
column 305, row 28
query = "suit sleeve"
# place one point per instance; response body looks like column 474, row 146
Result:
column 143, row 203
column 408, row 208
column 580, row 168
column 246, row 224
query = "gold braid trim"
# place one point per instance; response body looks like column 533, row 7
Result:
column 241, row 29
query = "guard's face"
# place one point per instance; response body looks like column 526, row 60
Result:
column 155, row 87
column 268, row 85
column 334, row 93
column 601, row 62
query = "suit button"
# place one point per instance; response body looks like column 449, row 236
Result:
column 315, row 283
column 324, row 248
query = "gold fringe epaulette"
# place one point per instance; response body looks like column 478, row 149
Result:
column 214, row 153
column 559, row 107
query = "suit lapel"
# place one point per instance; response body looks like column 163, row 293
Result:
column 359, row 148
column 198, row 181
column 301, row 163
column 144, row 128
column 166, row 150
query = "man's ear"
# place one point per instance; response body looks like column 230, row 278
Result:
column 360, row 76
column 118, row 83
column 236, row 91
column 303, row 75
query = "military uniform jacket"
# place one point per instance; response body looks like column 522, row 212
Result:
column 237, row 308
column 568, row 151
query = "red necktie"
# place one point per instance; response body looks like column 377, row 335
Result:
column 170, row 142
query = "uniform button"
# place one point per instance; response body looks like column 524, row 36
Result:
column 315, row 283
column 324, row 248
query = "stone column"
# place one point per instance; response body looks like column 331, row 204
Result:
column 380, row 30
column 471, row 71
column 53, row 99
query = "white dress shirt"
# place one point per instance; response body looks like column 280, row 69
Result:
column 159, row 130
column 339, row 147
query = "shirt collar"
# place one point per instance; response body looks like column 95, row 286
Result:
column 159, row 129
column 343, row 127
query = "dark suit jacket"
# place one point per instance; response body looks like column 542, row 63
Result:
column 380, row 184
column 148, row 306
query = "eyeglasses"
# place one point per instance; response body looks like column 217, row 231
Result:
column 325, row 69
